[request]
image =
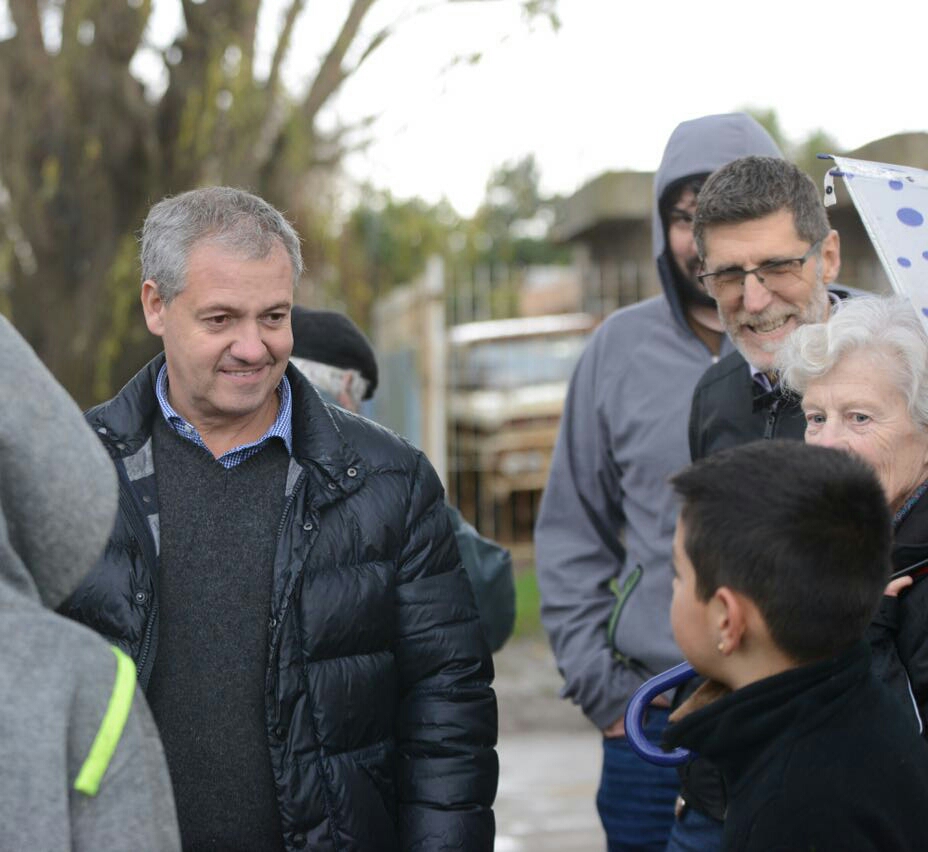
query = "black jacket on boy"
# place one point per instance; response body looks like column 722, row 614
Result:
column 820, row 757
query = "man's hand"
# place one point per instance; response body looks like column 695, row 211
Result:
column 617, row 728
column 895, row 586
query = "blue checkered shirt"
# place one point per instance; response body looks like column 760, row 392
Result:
column 281, row 428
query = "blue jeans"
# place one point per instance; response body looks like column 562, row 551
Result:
column 635, row 799
column 695, row 832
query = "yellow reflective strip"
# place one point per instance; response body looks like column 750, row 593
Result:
column 111, row 728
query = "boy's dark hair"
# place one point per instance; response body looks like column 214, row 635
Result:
column 753, row 187
column 803, row 531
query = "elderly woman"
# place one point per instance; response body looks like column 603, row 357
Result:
column 863, row 379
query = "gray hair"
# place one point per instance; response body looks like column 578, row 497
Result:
column 333, row 381
column 753, row 187
column 887, row 326
column 229, row 217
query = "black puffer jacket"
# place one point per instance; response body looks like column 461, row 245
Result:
column 380, row 716
column 728, row 409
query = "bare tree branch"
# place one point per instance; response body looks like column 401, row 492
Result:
column 374, row 43
column 329, row 77
column 27, row 19
column 248, row 27
column 331, row 73
column 283, row 46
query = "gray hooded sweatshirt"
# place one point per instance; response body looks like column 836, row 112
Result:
column 82, row 765
column 608, row 512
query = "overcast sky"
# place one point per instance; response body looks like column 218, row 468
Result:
column 607, row 89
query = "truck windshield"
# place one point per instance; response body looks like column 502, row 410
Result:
column 506, row 364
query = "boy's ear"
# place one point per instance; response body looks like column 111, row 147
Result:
column 730, row 617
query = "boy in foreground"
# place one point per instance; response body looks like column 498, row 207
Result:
column 781, row 554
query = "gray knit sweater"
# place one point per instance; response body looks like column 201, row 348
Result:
column 60, row 684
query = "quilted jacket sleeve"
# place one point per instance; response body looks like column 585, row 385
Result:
column 446, row 729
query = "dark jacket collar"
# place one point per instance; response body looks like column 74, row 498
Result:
column 125, row 423
column 318, row 438
column 911, row 539
column 734, row 731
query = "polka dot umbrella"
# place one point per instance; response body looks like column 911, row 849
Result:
column 893, row 203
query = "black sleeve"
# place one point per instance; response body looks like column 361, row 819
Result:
column 912, row 641
column 695, row 425
column 887, row 663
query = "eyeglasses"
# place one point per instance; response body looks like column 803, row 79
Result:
column 728, row 283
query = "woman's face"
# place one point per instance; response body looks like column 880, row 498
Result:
column 858, row 407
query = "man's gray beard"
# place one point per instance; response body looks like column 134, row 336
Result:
column 815, row 311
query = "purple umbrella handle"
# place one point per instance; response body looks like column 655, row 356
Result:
column 634, row 715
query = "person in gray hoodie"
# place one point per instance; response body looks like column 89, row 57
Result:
column 604, row 533
column 82, row 765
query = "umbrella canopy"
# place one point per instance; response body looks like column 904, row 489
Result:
column 893, row 203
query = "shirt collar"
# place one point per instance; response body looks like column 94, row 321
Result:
column 762, row 379
column 282, row 427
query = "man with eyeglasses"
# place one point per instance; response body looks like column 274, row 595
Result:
column 604, row 534
column 768, row 256
column 770, row 259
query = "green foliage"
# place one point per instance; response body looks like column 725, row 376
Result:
column 121, row 290
column 803, row 153
column 544, row 8
column 386, row 242
column 510, row 224
column 528, row 605
column 768, row 119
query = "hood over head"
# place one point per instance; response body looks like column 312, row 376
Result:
column 57, row 484
column 698, row 147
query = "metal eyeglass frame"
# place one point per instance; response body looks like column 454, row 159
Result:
column 707, row 278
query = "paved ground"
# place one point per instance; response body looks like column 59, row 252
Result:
column 549, row 758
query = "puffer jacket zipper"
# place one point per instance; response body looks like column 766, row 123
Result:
column 771, row 424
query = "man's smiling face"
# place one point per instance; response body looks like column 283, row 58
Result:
column 226, row 335
column 759, row 319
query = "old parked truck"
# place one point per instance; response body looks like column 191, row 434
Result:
column 507, row 380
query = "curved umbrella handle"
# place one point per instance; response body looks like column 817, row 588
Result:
column 634, row 714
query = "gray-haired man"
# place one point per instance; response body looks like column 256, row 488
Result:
column 768, row 257
column 283, row 572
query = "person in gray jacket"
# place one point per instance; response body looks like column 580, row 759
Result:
column 83, row 767
column 605, row 527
